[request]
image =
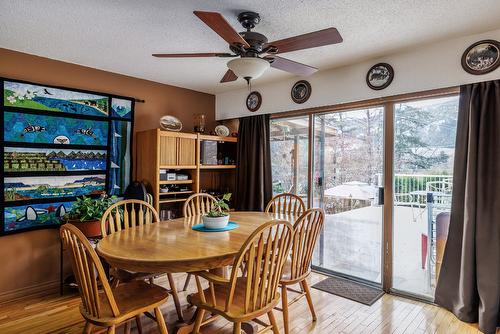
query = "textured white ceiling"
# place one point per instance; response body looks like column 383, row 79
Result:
column 119, row 36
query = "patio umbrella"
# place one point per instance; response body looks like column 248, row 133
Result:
column 353, row 190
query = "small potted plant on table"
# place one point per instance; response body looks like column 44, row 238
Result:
column 218, row 216
column 86, row 214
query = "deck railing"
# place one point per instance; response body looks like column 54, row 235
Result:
column 407, row 183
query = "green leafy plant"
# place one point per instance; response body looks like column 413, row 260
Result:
column 89, row 209
column 220, row 208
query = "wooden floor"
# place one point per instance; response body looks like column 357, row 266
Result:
column 390, row 314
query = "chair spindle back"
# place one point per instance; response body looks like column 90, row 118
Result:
column 286, row 203
column 87, row 269
column 198, row 204
column 264, row 254
column 306, row 232
column 126, row 214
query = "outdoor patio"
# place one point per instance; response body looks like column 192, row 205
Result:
column 352, row 245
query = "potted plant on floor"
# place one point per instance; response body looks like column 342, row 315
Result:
column 86, row 214
column 218, row 216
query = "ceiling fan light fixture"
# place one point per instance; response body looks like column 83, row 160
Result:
column 248, row 67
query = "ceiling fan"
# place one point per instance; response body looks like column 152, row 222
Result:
column 252, row 52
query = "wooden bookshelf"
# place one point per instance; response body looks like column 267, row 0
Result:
column 177, row 192
column 217, row 166
column 176, row 181
column 218, row 138
column 173, row 200
column 180, row 153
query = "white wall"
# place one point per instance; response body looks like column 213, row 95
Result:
column 423, row 68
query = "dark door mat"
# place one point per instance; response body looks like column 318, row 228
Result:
column 351, row 290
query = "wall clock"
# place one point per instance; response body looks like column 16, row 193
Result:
column 379, row 76
column 254, row 100
column 301, row 91
column 482, row 57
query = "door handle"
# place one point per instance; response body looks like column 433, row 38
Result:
column 380, row 195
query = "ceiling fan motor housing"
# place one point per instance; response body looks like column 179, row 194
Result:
column 256, row 40
column 249, row 19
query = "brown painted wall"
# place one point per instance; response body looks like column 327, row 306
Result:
column 32, row 258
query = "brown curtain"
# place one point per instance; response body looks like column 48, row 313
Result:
column 469, row 282
column 254, row 180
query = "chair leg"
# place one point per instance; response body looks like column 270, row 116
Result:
column 88, row 328
column 138, row 323
column 173, row 291
column 111, row 330
column 305, row 285
column 186, row 283
column 237, row 328
column 284, row 306
column 126, row 330
column 160, row 321
column 272, row 320
column 199, row 319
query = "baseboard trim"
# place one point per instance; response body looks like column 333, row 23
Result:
column 38, row 290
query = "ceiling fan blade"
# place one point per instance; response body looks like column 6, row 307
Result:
column 309, row 40
column 219, row 24
column 229, row 76
column 291, row 66
column 190, row 55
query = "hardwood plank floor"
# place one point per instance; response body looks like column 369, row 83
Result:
column 390, row 314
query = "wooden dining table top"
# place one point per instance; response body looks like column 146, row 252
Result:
column 173, row 246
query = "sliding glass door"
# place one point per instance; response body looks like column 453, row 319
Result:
column 343, row 173
column 424, row 147
column 289, row 161
column 347, row 181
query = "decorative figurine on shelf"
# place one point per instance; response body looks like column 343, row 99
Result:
column 199, row 123
column 222, row 130
column 170, row 123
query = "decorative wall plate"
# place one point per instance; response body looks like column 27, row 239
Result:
column 254, row 100
column 379, row 76
column 222, row 130
column 482, row 57
column 301, row 91
column 170, row 123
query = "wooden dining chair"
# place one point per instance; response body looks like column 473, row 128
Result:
column 109, row 307
column 127, row 214
column 286, row 203
column 196, row 204
column 298, row 266
column 255, row 292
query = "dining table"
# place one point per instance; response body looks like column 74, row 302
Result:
column 174, row 247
